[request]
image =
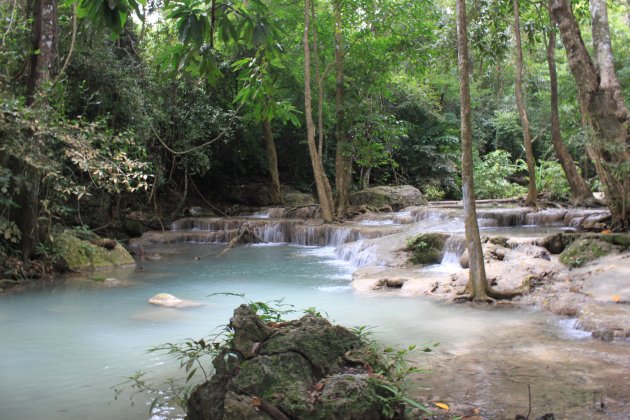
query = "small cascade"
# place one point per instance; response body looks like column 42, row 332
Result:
column 548, row 217
column 260, row 215
column 359, row 254
column 453, row 249
column 292, row 231
column 507, row 217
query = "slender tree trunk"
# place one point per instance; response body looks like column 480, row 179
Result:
column 478, row 288
column 343, row 160
column 44, row 42
column 599, row 86
column 325, row 197
column 365, row 177
column 580, row 193
column 272, row 163
column 522, row 111
column 477, row 281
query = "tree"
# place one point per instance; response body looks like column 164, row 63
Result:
column 478, row 288
column 580, row 192
column 599, row 88
column 321, row 181
column 522, row 111
column 343, row 158
column 42, row 59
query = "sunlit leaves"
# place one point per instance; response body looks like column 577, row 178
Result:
column 112, row 14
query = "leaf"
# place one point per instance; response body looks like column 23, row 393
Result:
column 443, row 406
column 616, row 298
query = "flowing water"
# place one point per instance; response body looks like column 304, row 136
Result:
column 64, row 346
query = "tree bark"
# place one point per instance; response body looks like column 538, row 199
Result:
column 272, row 163
column 477, row 281
column 580, row 192
column 343, row 160
column 522, row 111
column 323, row 193
column 599, row 86
column 44, row 43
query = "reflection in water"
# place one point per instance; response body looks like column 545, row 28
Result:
column 64, row 347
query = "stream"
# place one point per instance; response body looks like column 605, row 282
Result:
column 66, row 344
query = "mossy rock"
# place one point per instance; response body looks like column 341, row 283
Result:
column 427, row 248
column 396, row 197
column 584, row 250
column 82, row 255
column 297, row 368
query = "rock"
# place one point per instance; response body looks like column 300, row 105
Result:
column 396, row 197
column 198, row 211
column 295, row 369
column 427, row 248
column 296, row 199
column 249, row 331
column 556, row 243
column 81, row 255
column 321, row 343
column 584, row 250
column 113, row 282
column 170, row 301
column 348, row 397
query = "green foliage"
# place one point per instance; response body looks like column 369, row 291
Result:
column 433, row 193
column 550, row 178
column 491, row 174
column 111, row 13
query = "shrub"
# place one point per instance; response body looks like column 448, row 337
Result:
column 491, row 176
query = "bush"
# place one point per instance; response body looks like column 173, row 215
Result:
column 491, row 176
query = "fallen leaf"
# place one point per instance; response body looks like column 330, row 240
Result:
column 256, row 402
column 442, row 406
column 616, row 298
column 606, row 232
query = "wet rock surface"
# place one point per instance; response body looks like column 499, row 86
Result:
column 296, row 369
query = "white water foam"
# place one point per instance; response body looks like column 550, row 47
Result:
column 568, row 329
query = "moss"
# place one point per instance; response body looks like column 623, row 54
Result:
column 426, row 248
column 81, row 255
column 584, row 250
column 619, row 239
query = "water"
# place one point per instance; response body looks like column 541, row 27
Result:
column 64, row 347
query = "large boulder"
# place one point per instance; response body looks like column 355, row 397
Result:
column 298, row 369
column 81, row 255
column 396, row 197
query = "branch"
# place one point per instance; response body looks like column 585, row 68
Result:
column 192, row 149
column 4, row 36
column 73, row 42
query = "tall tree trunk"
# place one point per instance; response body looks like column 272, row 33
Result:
column 522, row 111
column 343, row 160
column 477, row 281
column 580, row 193
column 44, row 43
column 323, row 192
column 272, row 163
column 478, row 288
column 599, row 86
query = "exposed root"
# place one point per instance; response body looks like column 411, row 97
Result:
column 510, row 294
